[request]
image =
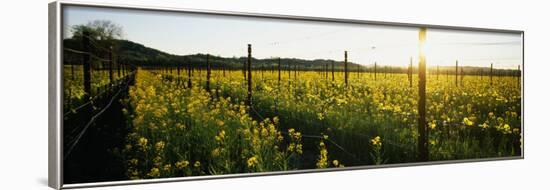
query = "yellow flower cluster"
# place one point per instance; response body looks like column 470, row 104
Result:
column 376, row 141
column 220, row 136
column 322, row 160
column 252, row 162
column 154, row 173
column 160, row 145
column 468, row 122
column 143, row 143
column 182, row 164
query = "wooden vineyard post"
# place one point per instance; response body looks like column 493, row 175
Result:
column 519, row 76
column 118, row 67
column 86, row 64
column 279, row 70
column 326, row 71
column 110, row 65
column 422, row 127
column 289, row 72
column 294, row 71
column 346, row 67
column 249, row 94
column 491, row 75
column 332, row 70
column 208, row 73
column 456, row 73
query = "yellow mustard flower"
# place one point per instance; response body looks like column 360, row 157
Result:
column 160, row 145
column 155, row 172
column 467, row 122
column 376, row 141
column 182, row 164
column 252, row 161
column 142, row 142
column 335, row 163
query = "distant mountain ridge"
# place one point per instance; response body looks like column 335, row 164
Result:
column 141, row 55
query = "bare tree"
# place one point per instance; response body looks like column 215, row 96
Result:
column 99, row 29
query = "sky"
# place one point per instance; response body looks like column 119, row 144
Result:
column 228, row 36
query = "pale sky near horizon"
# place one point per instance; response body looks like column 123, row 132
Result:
column 228, row 36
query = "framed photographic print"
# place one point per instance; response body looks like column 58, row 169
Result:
column 146, row 94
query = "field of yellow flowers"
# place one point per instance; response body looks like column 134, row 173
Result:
column 181, row 131
column 310, row 120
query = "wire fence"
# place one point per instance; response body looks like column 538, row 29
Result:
column 80, row 113
column 72, row 142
